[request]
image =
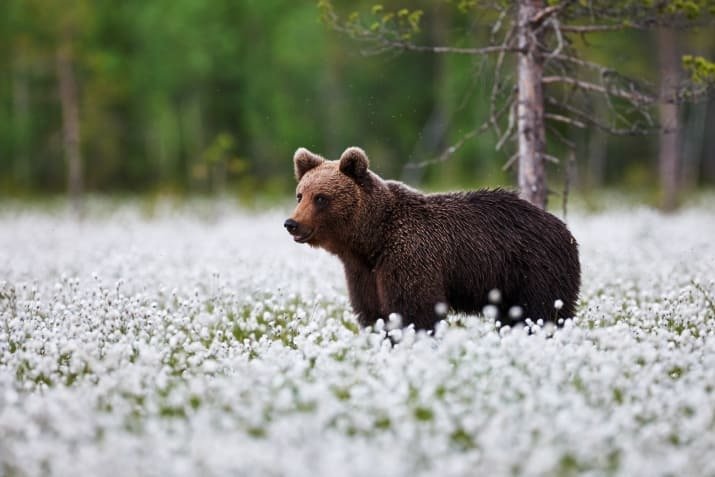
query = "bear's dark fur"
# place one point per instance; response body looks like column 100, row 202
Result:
column 411, row 253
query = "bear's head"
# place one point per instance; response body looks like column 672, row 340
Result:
column 333, row 197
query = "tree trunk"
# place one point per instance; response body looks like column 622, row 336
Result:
column 597, row 150
column 693, row 133
column 70, row 120
column 530, row 107
column 708, row 157
column 669, row 159
column 21, row 115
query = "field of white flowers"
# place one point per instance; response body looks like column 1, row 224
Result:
column 188, row 343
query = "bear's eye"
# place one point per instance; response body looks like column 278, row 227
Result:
column 299, row 197
column 320, row 200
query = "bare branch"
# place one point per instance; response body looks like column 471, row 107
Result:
column 548, row 12
column 510, row 127
column 386, row 41
column 452, row 149
column 633, row 96
column 458, row 145
column 648, row 19
column 635, row 130
column 510, row 162
column 555, row 25
column 565, row 119
column 603, row 70
column 584, row 29
column 687, row 91
column 496, row 82
column 497, row 24
column 448, row 49
column 550, row 158
column 566, row 142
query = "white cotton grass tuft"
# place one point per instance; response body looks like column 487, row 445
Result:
column 558, row 304
column 516, row 312
column 490, row 312
column 171, row 344
column 394, row 321
column 441, row 308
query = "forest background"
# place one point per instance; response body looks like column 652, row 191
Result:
column 187, row 97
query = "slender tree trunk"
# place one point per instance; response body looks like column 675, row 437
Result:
column 693, row 144
column 21, row 120
column 530, row 108
column 708, row 157
column 70, row 120
column 597, row 150
column 669, row 159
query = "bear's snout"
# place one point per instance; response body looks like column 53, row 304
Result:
column 300, row 232
column 291, row 226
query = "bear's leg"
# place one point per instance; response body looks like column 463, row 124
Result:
column 415, row 301
column 363, row 293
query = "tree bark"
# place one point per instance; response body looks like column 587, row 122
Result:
column 67, row 83
column 670, row 158
column 530, row 107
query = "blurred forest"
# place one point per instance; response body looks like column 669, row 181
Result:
column 190, row 96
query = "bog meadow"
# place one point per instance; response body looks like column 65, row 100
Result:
column 156, row 318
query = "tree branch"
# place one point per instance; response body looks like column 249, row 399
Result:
column 496, row 82
column 566, row 142
column 510, row 162
column 448, row 49
column 587, row 118
column 603, row 70
column 556, row 26
column 510, row 127
column 565, row 120
column 632, row 96
column 546, row 13
column 584, row 29
column 550, row 158
column 458, row 145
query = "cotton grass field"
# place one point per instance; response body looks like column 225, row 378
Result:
column 201, row 341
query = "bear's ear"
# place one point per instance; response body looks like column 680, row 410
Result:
column 304, row 160
column 354, row 163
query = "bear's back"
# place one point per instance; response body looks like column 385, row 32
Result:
column 488, row 239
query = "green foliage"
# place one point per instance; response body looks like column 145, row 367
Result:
column 700, row 69
column 400, row 24
column 180, row 96
column 689, row 8
column 637, row 8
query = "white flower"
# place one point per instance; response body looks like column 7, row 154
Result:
column 495, row 296
column 226, row 339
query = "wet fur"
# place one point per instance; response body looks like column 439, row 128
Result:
column 404, row 251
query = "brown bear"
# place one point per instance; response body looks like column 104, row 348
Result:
column 418, row 254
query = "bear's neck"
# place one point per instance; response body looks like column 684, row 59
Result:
column 364, row 246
